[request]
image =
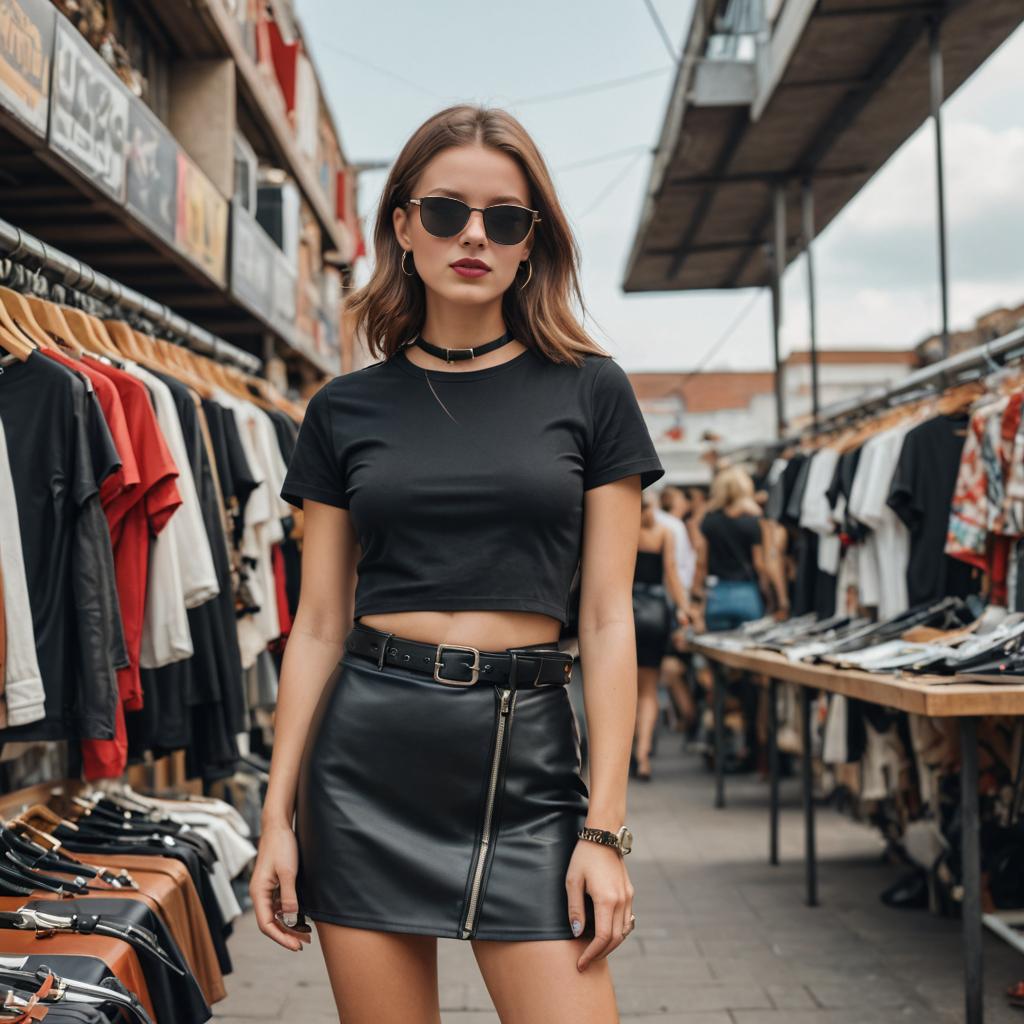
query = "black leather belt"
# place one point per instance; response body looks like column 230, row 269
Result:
column 459, row 665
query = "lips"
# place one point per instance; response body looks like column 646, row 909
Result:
column 470, row 264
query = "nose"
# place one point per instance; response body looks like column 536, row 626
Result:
column 474, row 230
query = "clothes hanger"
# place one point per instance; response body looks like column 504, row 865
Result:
column 20, row 312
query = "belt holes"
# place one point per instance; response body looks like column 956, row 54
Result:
column 405, row 657
column 393, row 651
column 427, row 660
column 487, row 668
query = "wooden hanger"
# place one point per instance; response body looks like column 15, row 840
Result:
column 21, row 313
column 51, row 317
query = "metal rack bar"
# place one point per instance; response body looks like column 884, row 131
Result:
column 16, row 244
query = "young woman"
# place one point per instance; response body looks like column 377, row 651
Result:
column 424, row 738
column 655, row 578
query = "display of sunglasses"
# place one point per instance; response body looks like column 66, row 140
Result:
column 505, row 224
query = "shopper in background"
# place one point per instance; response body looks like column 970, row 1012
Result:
column 732, row 565
column 656, row 578
column 675, row 508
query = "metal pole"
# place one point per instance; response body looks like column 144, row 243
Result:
column 718, row 682
column 810, row 853
column 773, row 770
column 937, row 96
column 970, row 856
column 812, row 304
column 778, row 268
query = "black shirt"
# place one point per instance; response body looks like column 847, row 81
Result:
column 921, row 495
column 731, row 540
column 57, row 443
column 466, row 487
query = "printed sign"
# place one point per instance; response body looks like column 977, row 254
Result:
column 89, row 117
column 26, row 49
column 252, row 262
column 152, row 188
column 201, row 230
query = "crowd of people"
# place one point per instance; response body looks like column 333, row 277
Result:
column 707, row 559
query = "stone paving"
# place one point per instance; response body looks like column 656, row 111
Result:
column 722, row 937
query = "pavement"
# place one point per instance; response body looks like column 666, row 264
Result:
column 722, row 937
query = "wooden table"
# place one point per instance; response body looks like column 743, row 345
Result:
column 935, row 696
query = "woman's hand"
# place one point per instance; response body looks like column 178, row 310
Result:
column 600, row 871
column 272, row 886
column 683, row 615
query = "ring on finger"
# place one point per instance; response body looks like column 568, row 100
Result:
column 632, row 924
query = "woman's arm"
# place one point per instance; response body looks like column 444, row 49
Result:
column 672, row 578
column 773, row 539
column 314, row 648
column 607, row 638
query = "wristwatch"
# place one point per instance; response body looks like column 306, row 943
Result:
column 621, row 840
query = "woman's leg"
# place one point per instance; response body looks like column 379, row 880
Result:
column 646, row 714
column 381, row 977
column 537, row 982
column 673, row 671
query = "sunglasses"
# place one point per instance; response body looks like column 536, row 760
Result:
column 505, row 224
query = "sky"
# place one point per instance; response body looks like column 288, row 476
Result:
column 388, row 69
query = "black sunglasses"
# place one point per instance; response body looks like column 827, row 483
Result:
column 505, row 224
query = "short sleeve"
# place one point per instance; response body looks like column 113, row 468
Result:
column 619, row 443
column 314, row 470
column 751, row 527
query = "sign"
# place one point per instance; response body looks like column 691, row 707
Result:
column 201, row 229
column 89, row 115
column 152, row 187
column 285, row 286
column 252, row 262
column 26, row 49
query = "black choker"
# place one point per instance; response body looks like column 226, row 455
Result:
column 452, row 354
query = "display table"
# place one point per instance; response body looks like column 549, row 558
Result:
column 935, row 696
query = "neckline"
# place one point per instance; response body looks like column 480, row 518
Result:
column 410, row 367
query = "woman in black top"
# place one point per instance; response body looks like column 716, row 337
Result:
column 655, row 577
column 434, row 773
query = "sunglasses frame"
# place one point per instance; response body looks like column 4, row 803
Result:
column 481, row 210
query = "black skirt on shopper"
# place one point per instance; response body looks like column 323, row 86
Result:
column 401, row 780
column 653, row 622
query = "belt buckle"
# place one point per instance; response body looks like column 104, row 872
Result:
column 475, row 667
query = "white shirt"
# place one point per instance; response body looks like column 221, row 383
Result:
column 816, row 512
column 686, row 557
column 23, row 682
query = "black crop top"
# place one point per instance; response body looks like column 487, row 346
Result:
column 479, row 507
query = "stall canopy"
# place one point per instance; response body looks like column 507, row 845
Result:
column 778, row 93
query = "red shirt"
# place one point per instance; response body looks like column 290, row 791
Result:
column 142, row 512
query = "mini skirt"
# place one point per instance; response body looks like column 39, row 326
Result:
column 439, row 810
column 652, row 621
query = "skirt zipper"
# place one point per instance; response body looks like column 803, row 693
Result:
column 478, row 872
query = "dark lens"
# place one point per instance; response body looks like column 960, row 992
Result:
column 442, row 216
column 507, row 225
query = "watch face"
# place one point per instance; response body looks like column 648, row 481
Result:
column 625, row 839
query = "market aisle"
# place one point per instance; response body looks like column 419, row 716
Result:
column 721, row 937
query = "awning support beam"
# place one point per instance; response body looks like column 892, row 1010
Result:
column 807, row 197
column 937, row 97
column 778, row 268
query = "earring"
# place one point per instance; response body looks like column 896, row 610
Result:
column 404, row 271
column 528, row 276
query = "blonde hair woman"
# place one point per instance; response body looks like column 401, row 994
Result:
column 450, row 491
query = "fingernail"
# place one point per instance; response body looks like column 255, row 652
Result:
column 289, row 920
column 576, row 928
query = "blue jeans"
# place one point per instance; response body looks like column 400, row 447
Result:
column 731, row 603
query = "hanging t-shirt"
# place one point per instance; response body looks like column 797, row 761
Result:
column 466, row 488
column 921, row 495
column 52, row 450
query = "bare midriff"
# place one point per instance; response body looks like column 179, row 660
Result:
column 485, row 630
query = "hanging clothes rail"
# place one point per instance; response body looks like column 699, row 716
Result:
column 970, row 365
column 20, row 246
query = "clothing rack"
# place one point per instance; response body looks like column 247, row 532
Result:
column 973, row 364
column 21, row 247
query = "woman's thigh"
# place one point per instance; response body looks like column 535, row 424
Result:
column 381, row 977
column 537, row 982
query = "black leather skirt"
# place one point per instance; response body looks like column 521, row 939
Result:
column 653, row 622
column 439, row 810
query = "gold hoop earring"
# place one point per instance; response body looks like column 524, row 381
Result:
column 528, row 276
column 404, row 271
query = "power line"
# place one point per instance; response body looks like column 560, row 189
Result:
column 661, row 29
column 583, row 90
column 725, row 336
column 331, row 47
column 611, row 186
column 603, row 158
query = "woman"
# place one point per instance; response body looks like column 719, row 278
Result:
column 731, row 562
column 654, row 620
column 449, row 492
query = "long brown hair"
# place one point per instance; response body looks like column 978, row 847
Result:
column 390, row 308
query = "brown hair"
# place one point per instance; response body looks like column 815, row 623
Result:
column 389, row 309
